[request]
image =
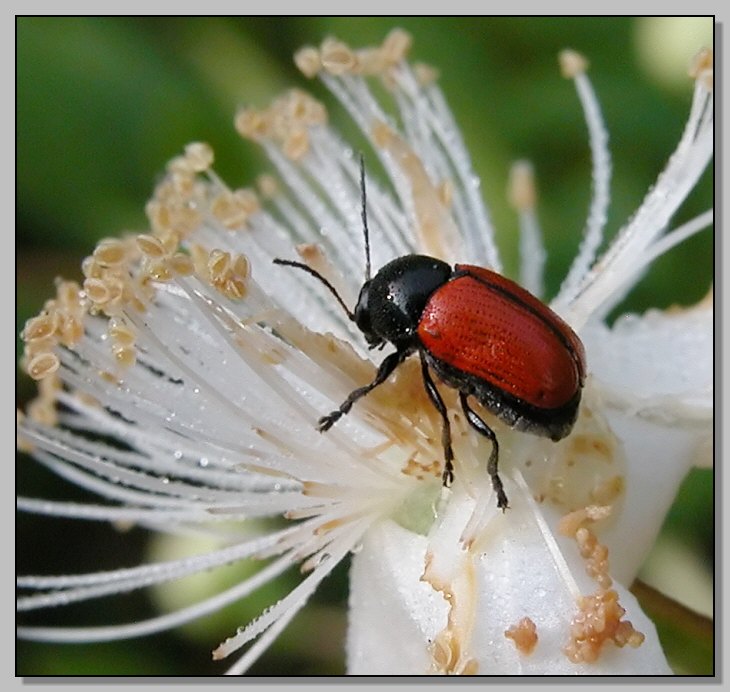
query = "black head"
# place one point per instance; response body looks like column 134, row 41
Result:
column 391, row 303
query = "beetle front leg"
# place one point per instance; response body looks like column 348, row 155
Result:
column 482, row 428
column 390, row 363
column 438, row 402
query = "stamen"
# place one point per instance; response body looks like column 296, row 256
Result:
column 261, row 644
column 40, row 327
column 558, row 560
column 42, row 365
column 371, row 61
column 252, row 124
column 602, row 287
column 160, row 623
column 396, row 45
column 296, row 144
column 97, row 291
column 110, row 252
column 675, row 237
column 314, row 257
column 523, row 195
column 337, row 57
column 296, row 598
column 150, row 245
column 574, row 66
column 200, row 156
column 73, row 588
column 435, row 229
column 572, row 63
column 181, row 264
column 425, row 74
column 308, row 61
column 702, row 68
column 267, row 186
column 431, row 130
column 233, row 209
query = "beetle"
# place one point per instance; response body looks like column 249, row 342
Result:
column 480, row 333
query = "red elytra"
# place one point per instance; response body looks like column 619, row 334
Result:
column 487, row 326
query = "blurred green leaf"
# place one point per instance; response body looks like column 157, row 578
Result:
column 687, row 638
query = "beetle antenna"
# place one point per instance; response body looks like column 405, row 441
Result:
column 317, row 275
column 364, row 214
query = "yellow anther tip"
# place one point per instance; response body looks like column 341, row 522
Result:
column 308, row 61
column 572, row 63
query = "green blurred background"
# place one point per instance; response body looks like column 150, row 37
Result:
column 103, row 103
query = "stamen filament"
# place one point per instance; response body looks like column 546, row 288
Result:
column 558, row 560
column 160, row 623
column 601, row 178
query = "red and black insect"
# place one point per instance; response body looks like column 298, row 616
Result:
column 481, row 334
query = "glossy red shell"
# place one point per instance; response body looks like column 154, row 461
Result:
column 487, row 326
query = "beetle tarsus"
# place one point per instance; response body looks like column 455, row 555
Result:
column 448, row 476
column 502, row 501
column 326, row 422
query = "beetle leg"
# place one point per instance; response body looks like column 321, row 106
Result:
column 481, row 427
column 390, row 363
column 438, row 402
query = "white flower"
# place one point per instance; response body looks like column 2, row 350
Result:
column 182, row 383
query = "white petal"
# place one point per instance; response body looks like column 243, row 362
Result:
column 658, row 365
column 654, row 374
column 658, row 458
column 395, row 617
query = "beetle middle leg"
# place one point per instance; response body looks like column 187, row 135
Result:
column 482, row 428
column 438, row 402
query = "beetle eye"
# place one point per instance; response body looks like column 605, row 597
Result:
column 361, row 312
column 362, row 318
